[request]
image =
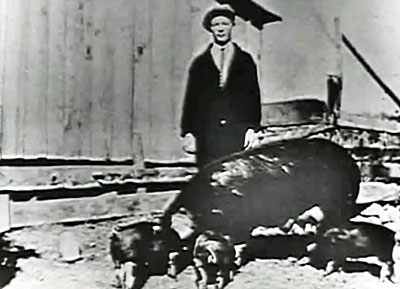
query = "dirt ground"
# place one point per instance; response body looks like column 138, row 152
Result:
column 39, row 266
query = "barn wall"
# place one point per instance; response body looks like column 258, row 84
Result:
column 87, row 78
column 66, row 87
column 95, row 78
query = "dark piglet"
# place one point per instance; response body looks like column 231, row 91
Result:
column 355, row 240
column 142, row 249
column 213, row 258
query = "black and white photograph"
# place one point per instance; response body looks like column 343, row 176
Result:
column 199, row 144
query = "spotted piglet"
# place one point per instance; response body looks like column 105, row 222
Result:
column 213, row 258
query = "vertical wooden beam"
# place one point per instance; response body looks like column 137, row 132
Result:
column 123, row 29
column 23, row 81
column 73, row 76
column 339, row 64
column 138, row 154
column 3, row 44
column 34, row 97
column 162, row 103
column 9, row 78
column 86, row 56
column 56, row 84
column 182, row 53
column 338, row 47
column 142, row 72
column 335, row 80
column 103, row 80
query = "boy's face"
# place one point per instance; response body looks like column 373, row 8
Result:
column 221, row 29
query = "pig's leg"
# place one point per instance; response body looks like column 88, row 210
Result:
column 223, row 278
column 126, row 275
column 240, row 254
column 386, row 271
column 305, row 257
column 133, row 275
column 117, row 283
column 173, row 264
column 201, row 274
column 231, row 273
column 203, row 279
column 197, row 276
column 331, row 267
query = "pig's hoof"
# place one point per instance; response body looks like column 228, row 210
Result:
column 395, row 279
column 172, row 271
column 304, row 261
column 327, row 273
column 116, row 283
column 231, row 273
column 201, row 284
column 221, row 282
column 386, row 272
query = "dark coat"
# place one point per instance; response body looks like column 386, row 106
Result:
column 219, row 118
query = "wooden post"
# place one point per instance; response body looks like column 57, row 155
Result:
column 138, row 154
column 4, row 213
column 335, row 79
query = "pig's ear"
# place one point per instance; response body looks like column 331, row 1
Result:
column 343, row 236
column 227, row 237
column 335, row 234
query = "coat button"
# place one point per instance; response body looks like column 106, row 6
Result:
column 222, row 122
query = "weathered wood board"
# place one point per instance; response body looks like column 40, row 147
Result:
column 106, row 206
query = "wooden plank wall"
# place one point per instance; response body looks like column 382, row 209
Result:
column 85, row 78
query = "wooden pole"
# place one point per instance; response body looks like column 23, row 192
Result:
column 138, row 154
column 335, row 79
column 371, row 72
column 338, row 47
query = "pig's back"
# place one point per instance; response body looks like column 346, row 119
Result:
column 272, row 183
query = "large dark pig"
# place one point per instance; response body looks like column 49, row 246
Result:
column 355, row 240
column 142, row 249
column 270, row 184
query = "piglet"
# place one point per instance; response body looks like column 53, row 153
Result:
column 213, row 258
column 142, row 249
column 355, row 240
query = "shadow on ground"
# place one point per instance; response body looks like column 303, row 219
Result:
column 283, row 247
column 357, row 267
column 9, row 255
column 277, row 247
